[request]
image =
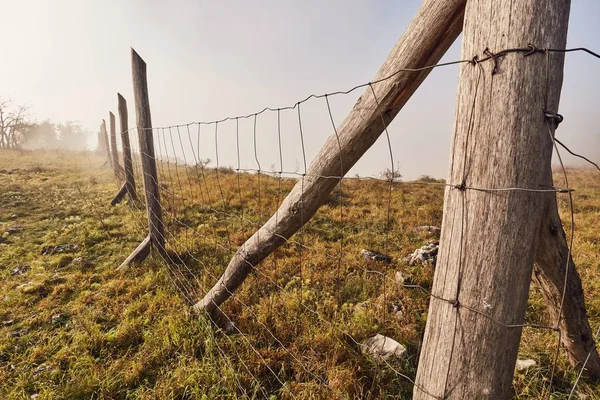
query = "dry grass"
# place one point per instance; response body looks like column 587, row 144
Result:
column 82, row 330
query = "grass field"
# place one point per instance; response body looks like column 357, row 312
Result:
column 75, row 328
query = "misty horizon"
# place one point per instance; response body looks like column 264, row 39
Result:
column 221, row 61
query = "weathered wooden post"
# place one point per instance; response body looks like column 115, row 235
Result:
column 100, row 140
column 129, row 185
column 502, row 139
column 104, row 134
column 144, row 126
column 118, row 170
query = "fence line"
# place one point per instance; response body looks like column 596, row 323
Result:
column 190, row 252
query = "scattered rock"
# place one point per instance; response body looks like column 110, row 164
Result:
column 61, row 248
column 402, row 279
column 14, row 229
column 17, row 332
column 396, row 311
column 58, row 319
column 230, row 328
column 383, row 348
column 375, row 256
column 14, row 216
column 434, row 230
column 523, row 365
column 25, row 287
column 8, row 322
column 20, row 270
column 40, row 368
column 425, row 255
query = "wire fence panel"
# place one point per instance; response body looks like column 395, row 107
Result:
column 296, row 324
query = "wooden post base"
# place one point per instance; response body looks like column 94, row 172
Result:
column 139, row 254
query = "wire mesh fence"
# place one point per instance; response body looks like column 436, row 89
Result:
column 320, row 292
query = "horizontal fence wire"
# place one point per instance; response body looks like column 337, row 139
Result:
column 337, row 275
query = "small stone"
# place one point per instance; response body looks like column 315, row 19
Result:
column 59, row 319
column 375, row 256
column 40, row 368
column 400, row 278
column 25, row 287
column 20, row 270
column 383, row 348
column 14, row 229
column 18, row 332
column 14, row 216
column 8, row 322
column 425, row 255
column 230, row 328
column 523, row 365
column 61, row 248
column 398, row 316
column 34, row 396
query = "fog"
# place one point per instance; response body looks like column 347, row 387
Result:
column 212, row 60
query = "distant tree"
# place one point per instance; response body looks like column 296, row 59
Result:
column 41, row 135
column 72, row 136
column 14, row 122
column 392, row 174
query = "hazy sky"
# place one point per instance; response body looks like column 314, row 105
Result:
column 67, row 59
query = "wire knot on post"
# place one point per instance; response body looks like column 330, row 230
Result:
column 494, row 58
column 532, row 50
column 462, row 187
column 553, row 117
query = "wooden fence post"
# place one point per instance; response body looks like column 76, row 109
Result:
column 106, row 144
column 502, row 140
column 129, row 185
column 118, row 170
column 144, row 126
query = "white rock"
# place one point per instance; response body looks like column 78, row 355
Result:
column 383, row 348
column 523, row 365
column 399, row 278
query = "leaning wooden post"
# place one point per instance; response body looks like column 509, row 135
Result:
column 502, row 139
column 144, row 127
column 118, row 170
column 129, row 185
column 427, row 38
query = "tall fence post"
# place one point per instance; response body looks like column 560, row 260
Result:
column 502, row 140
column 144, row 127
column 129, row 185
